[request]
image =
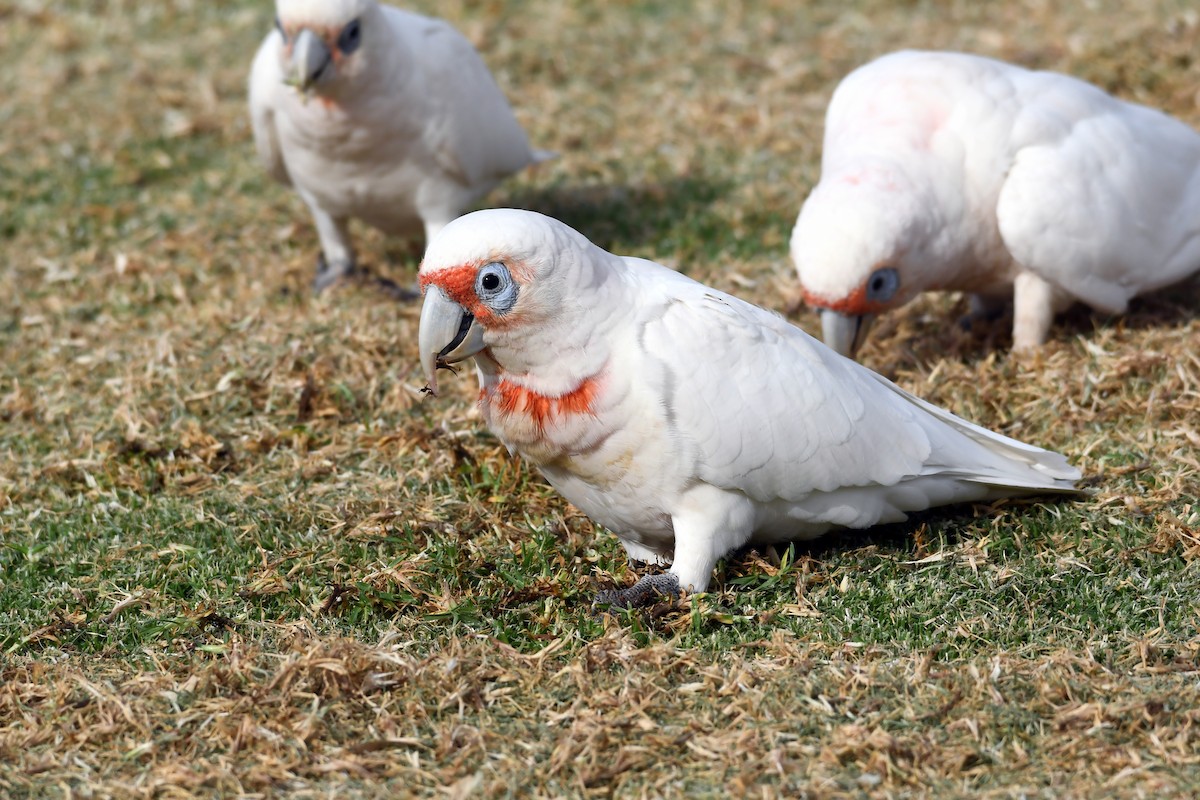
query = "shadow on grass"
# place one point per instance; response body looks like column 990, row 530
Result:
column 919, row 340
column 921, row 535
column 1174, row 305
column 673, row 217
column 616, row 217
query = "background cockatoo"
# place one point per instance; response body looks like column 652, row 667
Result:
column 945, row 171
column 686, row 421
column 379, row 114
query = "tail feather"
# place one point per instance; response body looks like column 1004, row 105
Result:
column 1013, row 464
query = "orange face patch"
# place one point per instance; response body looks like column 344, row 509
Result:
column 459, row 285
column 854, row 304
column 457, row 282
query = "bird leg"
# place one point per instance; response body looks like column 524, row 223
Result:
column 329, row 273
column 648, row 589
column 434, row 223
column 710, row 523
column 336, row 260
column 1034, row 302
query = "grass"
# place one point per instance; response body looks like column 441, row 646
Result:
column 241, row 554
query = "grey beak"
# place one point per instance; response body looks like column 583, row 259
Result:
column 448, row 333
column 843, row 333
column 311, row 60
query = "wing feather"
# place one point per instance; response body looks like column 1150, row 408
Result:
column 265, row 80
column 1101, row 197
column 471, row 128
column 771, row 412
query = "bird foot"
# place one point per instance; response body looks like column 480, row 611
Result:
column 329, row 274
column 397, row 292
column 974, row 321
column 982, row 314
column 642, row 593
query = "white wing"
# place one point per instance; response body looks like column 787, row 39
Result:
column 265, row 80
column 1103, row 198
column 773, row 413
column 470, row 127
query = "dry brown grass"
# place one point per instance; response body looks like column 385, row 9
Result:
column 479, row 718
column 243, row 556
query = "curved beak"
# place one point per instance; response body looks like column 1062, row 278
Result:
column 311, row 61
column 843, row 333
column 448, row 333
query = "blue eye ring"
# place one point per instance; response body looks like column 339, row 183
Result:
column 495, row 287
column 279, row 27
column 350, row 37
column 882, row 285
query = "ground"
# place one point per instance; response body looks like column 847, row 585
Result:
column 242, row 554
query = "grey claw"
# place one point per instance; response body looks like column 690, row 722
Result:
column 401, row 293
column 983, row 311
column 642, row 593
column 329, row 274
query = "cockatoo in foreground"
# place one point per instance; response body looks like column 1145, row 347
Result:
column 688, row 422
column 945, row 171
column 379, row 114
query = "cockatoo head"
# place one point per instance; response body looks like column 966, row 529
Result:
column 518, row 287
column 326, row 42
column 859, row 247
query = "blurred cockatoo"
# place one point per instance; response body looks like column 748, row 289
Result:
column 945, row 171
column 686, row 421
column 379, row 114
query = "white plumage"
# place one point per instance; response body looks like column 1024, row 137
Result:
column 378, row 114
column 688, row 422
column 958, row 172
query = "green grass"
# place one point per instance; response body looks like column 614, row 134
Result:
column 241, row 553
column 363, row 569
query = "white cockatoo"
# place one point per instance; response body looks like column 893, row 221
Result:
column 945, row 171
column 688, row 422
column 378, row 114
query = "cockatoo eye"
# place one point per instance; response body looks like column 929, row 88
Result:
column 279, row 27
column 495, row 287
column 882, row 284
column 350, row 37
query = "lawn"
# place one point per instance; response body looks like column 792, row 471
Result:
column 242, row 554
